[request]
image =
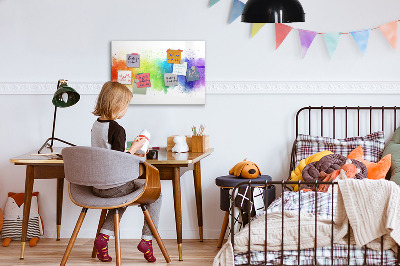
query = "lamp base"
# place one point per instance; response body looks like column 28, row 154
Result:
column 50, row 146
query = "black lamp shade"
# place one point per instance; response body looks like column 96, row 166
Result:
column 273, row 11
column 65, row 96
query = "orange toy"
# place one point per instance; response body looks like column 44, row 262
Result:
column 245, row 169
column 375, row 170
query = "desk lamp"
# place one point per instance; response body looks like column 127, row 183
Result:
column 64, row 96
column 272, row 11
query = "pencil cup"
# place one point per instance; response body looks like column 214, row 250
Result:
column 200, row 143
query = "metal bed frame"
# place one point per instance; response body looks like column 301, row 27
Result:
column 283, row 184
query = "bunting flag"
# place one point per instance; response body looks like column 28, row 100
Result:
column 281, row 31
column 237, row 9
column 306, row 39
column 389, row 30
column 332, row 41
column 256, row 27
column 213, row 2
column 361, row 37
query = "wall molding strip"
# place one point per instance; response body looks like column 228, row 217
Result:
column 231, row 87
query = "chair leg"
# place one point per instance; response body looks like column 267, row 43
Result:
column 101, row 222
column 73, row 237
column 223, row 229
column 117, row 239
column 154, row 230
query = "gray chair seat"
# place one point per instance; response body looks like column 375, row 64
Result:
column 85, row 167
column 83, row 196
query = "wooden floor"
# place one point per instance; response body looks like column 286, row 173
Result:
column 50, row 252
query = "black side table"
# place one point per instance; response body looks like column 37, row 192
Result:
column 226, row 183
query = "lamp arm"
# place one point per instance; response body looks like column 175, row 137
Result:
column 54, row 126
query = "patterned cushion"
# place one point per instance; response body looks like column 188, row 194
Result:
column 372, row 144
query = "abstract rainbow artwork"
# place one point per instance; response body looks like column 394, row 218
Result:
column 160, row 72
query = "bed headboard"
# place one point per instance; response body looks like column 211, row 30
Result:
column 344, row 121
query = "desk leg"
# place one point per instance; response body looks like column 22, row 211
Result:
column 197, row 189
column 176, row 182
column 27, row 206
column 60, row 190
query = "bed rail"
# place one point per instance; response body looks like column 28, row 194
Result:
column 343, row 118
column 265, row 185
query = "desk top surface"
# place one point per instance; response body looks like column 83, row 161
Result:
column 164, row 157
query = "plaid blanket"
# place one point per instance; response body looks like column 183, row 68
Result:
column 323, row 205
column 340, row 254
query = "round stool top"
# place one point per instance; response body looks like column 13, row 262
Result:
column 230, row 181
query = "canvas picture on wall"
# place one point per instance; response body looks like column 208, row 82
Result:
column 160, row 72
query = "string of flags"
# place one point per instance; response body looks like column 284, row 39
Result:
column 361, row 37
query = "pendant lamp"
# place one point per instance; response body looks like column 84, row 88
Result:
column 273, row 11
column 64, row 96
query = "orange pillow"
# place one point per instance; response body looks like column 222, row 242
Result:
column 375, row 170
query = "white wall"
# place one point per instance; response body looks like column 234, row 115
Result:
column 42, row 41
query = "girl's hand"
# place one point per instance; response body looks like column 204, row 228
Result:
column 143, row 155
column 137, row 144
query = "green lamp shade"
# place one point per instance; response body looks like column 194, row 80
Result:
column 65, row 96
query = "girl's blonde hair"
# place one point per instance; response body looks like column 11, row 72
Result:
column 112, row 100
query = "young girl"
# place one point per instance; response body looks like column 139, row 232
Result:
column 112, row 104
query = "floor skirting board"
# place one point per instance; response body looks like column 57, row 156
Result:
column 231, row 87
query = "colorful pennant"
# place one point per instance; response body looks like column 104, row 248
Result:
column 306, row 39
column 256, row 27
column 281, row 31
column 237, row 9
column 361, row 37
column 332, row 41
column 389, row 30
column 213, row 2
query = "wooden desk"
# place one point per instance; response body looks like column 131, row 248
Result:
column 171, row 167
column 40, row 167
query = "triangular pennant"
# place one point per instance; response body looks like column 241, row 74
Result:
column 237, row 9
column 281, row 31
column 332, row 41
column 389, row 30
column 213, row 2
column 256, row 27
column 306, row 39
column 361, row 37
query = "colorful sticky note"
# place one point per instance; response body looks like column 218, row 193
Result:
column 143, row 80
column 136, row 90
column 133, row 60
column 125, row 76
column 180, row 69
column 174, row 56
column 170, row 79
column 192, row 74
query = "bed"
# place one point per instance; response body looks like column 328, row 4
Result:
column 312, row 210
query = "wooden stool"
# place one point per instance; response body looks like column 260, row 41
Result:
column 226, row 183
